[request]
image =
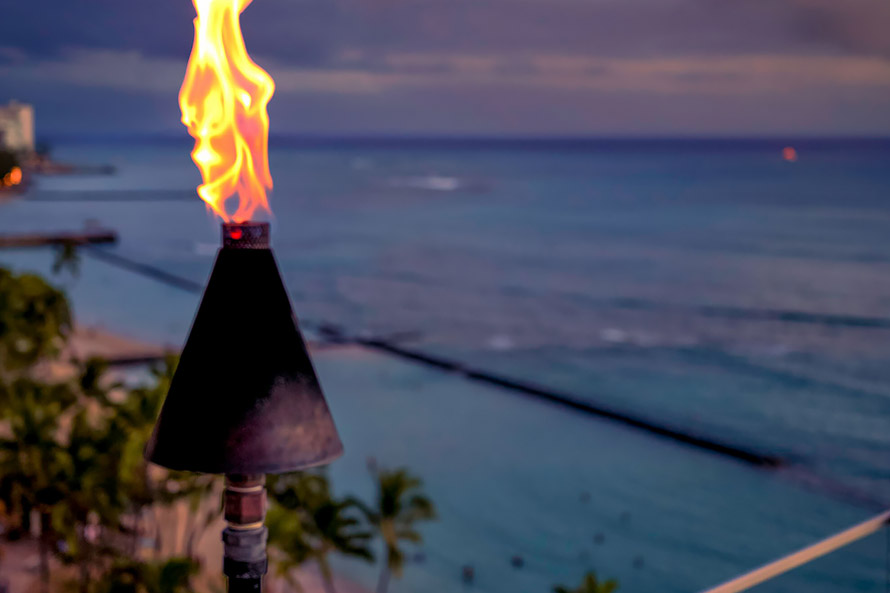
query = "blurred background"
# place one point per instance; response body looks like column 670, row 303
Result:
column 674, row 212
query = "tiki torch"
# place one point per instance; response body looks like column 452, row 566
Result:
column 245, row 400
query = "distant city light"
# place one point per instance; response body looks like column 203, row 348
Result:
column 14, row 177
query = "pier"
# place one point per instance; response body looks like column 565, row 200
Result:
column 77, row 238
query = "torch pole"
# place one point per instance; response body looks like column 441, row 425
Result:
column 244, row 538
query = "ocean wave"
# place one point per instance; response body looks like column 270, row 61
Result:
column 430, row 182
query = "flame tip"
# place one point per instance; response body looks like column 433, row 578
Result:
column 224, row 99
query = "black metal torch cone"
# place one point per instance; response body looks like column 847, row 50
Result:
column 245, row 398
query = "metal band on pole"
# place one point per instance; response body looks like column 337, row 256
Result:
column 791, row 561
column 244, row 538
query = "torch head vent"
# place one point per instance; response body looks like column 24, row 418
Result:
column 245, row 235
column 245, row 398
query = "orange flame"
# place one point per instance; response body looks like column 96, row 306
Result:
column 14, row 177
column 223, row 100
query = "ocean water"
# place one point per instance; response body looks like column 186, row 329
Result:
column 710, row 286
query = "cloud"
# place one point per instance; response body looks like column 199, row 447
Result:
column 740, row 75
column 102, row 68
column 314, row 32
column 852, row 26
column 483, row 63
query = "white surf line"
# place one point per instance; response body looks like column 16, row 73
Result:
column 803, row 556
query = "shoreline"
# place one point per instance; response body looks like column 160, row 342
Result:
column 121, row 349
column 88, row 341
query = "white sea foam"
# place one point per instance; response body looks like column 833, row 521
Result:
column 501, row 343
column 431, row 182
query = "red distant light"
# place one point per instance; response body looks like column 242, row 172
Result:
column 236, row 234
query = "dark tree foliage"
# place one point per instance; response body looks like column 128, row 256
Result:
column 35, row 320
column 590, row 584
column 133, row 576
column 8, row 160
column 71, row 451
column 306, row 522
column 71, row 454
column 400, row 505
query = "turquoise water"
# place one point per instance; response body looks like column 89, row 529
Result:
column 625, row 274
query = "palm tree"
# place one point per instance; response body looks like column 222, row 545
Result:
column 34, row 463
column 93, row 498
column 35, row 320
column 338, row 531
column 70, row 453
column 590, row 584
column 399, row 505
column 307, row 522
column 289, row 542
column 69, row 450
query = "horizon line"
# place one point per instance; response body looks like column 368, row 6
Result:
column 437, row 138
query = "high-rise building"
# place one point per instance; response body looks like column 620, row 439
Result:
column 17, row 127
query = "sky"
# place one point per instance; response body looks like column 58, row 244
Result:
column 471, row 67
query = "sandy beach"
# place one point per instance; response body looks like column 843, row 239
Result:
column 91, row 341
